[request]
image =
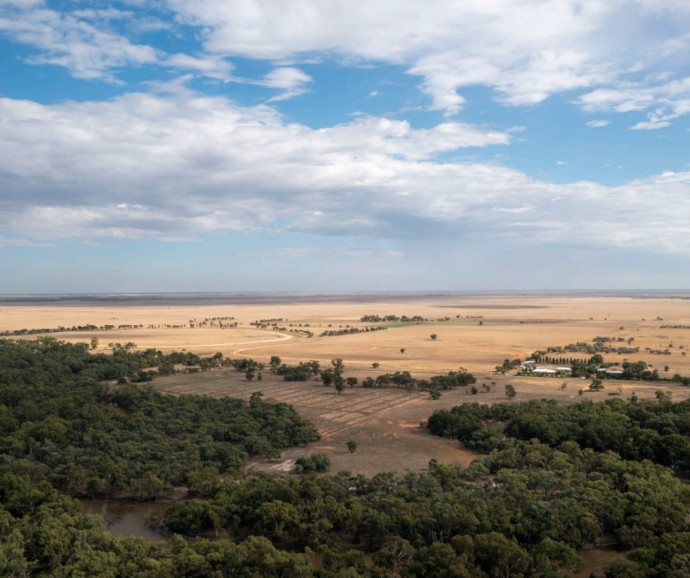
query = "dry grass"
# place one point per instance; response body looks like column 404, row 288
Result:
column 512, row 327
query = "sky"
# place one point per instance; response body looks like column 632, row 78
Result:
column 331, row 145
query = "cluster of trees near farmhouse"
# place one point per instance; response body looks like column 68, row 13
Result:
column 598, row 345
column 633, row 370
column 630, row 370
column 550, row 481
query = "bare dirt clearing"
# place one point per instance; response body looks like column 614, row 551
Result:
column 385, row 423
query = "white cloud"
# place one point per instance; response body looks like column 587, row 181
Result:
column 181, row 165
column 210, row 66
column 621, row 51
column 597, row 123
column 527, row 51
column 650, row 125
column 656, row 120
column 670, row 99
column 292, row 81
column 67, row 40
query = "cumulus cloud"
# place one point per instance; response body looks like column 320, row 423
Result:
column 72, row 41
column 616, row 50
column 526, row 51
column 655, row 121
column 170, row 165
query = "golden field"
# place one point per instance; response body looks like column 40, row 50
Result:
column 512, row 326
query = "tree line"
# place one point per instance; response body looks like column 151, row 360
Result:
column 392, row 319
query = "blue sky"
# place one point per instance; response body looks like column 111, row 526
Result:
column 208, row 145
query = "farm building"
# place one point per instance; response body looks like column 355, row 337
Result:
column 609, row 371
column 544, row 371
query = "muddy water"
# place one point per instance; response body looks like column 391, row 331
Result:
column 128, row 518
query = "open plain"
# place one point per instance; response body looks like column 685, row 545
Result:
column 476, row 332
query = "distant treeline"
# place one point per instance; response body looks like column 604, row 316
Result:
column 404, row 379
column 351, row 331
column 391, row 319
column 305, row 371
column 80, row 328
column 88, row 298
column 221, row 322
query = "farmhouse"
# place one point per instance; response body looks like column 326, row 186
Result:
column 547, row 371
column 544, row 371
column 609, row 371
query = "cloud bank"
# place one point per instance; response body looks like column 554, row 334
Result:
column 622, row 53
column 146, row 165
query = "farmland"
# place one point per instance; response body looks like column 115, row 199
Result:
column 475, row 332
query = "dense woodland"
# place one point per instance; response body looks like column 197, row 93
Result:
column 658, row 431
column 65, row 418
column 551, row 480
column 523, row 509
